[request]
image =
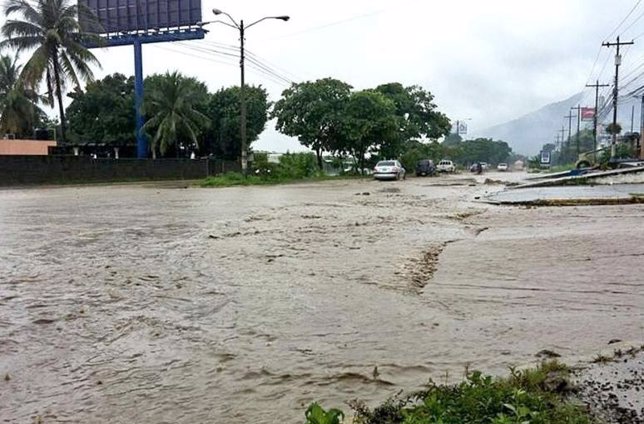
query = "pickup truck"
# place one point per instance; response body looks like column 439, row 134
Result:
column 446, row 166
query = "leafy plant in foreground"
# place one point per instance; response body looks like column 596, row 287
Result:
column 317, row 415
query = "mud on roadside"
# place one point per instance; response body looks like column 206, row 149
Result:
column 613, row 388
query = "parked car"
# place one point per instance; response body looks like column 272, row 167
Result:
column 446, row 166
column 425, row 167
column 502, row 167
column 389, row 170
column 485, row 166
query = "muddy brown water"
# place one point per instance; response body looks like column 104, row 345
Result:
column 150, row 304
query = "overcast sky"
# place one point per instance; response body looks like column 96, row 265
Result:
column 491, row 61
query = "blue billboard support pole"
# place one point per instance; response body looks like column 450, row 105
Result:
column 141, row 142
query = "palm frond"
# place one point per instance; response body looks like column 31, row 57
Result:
column 68, row 70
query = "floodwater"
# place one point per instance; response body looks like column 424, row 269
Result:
column 154, row 304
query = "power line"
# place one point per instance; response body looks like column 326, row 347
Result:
column 633, row 23
column 331, row 24
column 211, row 54
column 623, row 20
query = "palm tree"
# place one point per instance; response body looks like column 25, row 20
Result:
column 51, row 29
column 19, row 111
column 171, row 105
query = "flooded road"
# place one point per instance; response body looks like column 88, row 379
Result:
column 149, row 304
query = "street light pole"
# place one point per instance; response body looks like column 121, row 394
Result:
column 242, row 100
column 242, row 92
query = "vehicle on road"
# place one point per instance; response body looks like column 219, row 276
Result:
column 446, row 166
column 425, row 167
column 476, row 168
column 485, row 166
column 502, row 167
column 389, row 170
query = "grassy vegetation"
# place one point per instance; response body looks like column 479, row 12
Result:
column 535, row 396
column 292, row 167
column 232, row 179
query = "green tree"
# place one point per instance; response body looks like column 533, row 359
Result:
column 51, row 29
column 104, row 113
column 418, row 114
column 223, row 138
column 417, row 151
column 452, row 139
column 369, row 122
column 19, row 111
column 171, row 107
column 613, row 128
column 312, row 112
column 479, row 150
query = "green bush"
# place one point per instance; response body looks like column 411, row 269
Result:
column 297, row 166
column 534, row 396
column 232, row 179
column 622, row 151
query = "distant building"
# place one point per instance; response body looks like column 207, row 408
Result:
column 26, row 147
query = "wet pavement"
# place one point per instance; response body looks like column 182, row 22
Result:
column 616, row 191
column 149, row 304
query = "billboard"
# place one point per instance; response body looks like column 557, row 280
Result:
column 587, row 113
column 135, row 16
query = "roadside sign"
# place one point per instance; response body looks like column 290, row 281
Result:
column 545, row 158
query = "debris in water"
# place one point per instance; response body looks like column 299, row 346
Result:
column 44, row 321
column 548, row 354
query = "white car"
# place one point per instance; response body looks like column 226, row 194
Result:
column 502, row 167
column 446, row 166
column 389, row 170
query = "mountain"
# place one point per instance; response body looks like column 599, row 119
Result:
column 528, row 133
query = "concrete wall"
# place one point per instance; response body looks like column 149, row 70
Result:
column 25, row 147
column 27, row 170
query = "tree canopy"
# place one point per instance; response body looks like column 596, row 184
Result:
column 51, row 31
column 171, row 108
column 327, row 116
column 19, row 111
column 312, row 112
column 223, row 138
column 104, row 113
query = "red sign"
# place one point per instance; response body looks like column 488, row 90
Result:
column 587, row 113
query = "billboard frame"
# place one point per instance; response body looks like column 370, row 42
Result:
column 137, row 37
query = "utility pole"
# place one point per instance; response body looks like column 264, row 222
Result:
column 578, row 109
column 618, row 61
column 569, row 117
column 632, row 117
column 642, row 128
column 597, row 85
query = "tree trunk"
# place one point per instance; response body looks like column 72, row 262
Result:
column 318, row 154
column 59, row 95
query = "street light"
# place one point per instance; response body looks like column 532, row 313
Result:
column 242, row 28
